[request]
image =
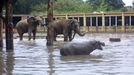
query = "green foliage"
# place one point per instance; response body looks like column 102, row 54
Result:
column 106, row 5
column 25, row 6
column 67, row 6
column 39, row 7
column 84, row 8
column 22, row 6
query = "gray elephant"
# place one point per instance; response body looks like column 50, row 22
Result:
column 83, row 48
column 65, row 27
column 28, row 26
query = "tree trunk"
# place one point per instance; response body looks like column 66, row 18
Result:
column 50, row 19
column 9, row 25
column 1, row 27
column 1, row 24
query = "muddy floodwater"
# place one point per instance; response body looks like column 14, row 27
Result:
column 35, row 58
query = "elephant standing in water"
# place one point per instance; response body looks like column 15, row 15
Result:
column 65, row 27
column 84, row 48
column 28, row 26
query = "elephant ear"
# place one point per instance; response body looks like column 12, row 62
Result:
column 39, row 20
column 72, row 24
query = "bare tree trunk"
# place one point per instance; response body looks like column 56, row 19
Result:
column 1, row 24
column 9, row 25
column 50, row 19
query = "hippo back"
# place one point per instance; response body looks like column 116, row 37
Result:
column 84, row 48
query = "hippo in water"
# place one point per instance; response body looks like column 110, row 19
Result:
column 83, row 48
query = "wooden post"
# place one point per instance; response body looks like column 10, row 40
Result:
column 1, row 40
column 50, row 19
column 1, row 24
column 103, row 23
column 123, row 23
column 84, row 22
column 1, row 34
column 66, row 16
column 9, row 26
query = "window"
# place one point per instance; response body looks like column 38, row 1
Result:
column 119, row 20
column 87, row 21
column 107, row 21
column 127, row 20
column 132, row 20
column 99, row 21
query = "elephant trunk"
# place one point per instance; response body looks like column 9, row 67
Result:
column 80, row 33
column 73, row 36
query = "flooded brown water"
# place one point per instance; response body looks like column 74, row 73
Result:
column 35, row 58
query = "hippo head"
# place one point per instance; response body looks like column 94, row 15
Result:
column 98, row 45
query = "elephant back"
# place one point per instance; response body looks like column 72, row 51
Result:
column 22, row 23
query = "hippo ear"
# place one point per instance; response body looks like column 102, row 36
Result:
column 98, row 42
column 102, row 43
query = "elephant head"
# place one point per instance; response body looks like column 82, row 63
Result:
column 74, row 26
column 32, row 21
column 98, row 45
column 40, row 20
column 35, row 21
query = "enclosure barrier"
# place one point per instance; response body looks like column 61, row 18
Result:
column 94, row 22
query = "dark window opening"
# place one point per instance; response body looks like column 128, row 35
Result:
column 93, row 21
column 70, row 18
column 76, row 18
column 99, row 21
column 16, row 20
column 113, row 21
column 87, row 21
column 81, row 21
column 119, row 20
column 127, row 23
column 132, row 20
column 46, row 22
column 106, row 21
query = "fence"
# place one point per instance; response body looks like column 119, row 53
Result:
column 99, row 22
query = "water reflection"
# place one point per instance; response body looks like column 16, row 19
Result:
column 50, row 60
column 81, row 58
column 7, row 63
column 1, row 63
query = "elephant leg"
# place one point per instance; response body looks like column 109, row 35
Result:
column 55, row 35
column 21, row 36
column 65, row 36
column 70, row 37
column 29, row 35
column 55, row 38
column 34, row 34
